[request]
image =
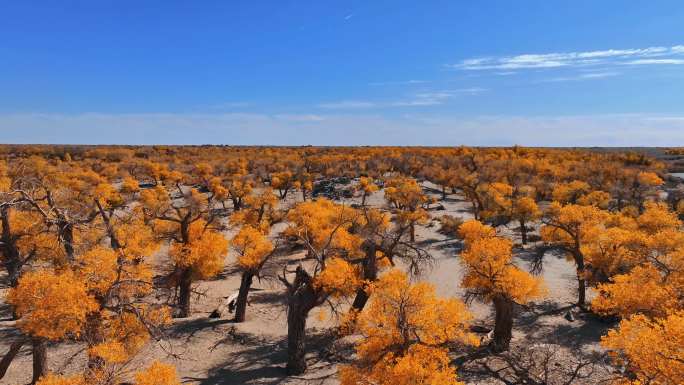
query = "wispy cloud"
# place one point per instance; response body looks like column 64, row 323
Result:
column 639, row 56
column 585, row 76
column 420, row 99
column 349, row 16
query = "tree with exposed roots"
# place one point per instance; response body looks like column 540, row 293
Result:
column 492, row 276
column 406, row 331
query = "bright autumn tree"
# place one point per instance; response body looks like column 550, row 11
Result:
column 407, row 197
column 492, row 277
column 406, row 329
column 284, row 182
column 650, row 349
column 51, row 306
column 322, row 227
column 253, row 249
column 197, row 248
column 568, row 228
column 524, row 210
column 383, row 243
column 259, row 211
column 119, row 278
column 571, row 192
column 367, row 187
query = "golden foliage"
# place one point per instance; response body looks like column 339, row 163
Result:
column 252, row 247
column 158, row 374
column 490, row 272
column 204, row 253
column 51, row 305
column 400, row 315
column 651, row 349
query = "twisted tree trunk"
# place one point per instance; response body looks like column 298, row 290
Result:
column 302, row 297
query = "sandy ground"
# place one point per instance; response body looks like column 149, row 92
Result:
column 216, row 351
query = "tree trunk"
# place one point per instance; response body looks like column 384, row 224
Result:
column 241, row 301
column 67, row 232
column 503, row 328
column 10, row 252
column 582, row 290
column 443, row 192
column 302, row 297
column 413, row 232
column 581, row 282
column 370, row 274
column 94, row 336
column 523, row 232
column 184, row 294
column 39, row 358
column 9, row 356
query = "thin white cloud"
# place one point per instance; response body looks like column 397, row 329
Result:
column 655, row 61
column 349, row 16
column 344, row 129
column 585, row 76
column 640, row 56
column 420, row 99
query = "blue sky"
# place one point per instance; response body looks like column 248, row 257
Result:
column 343, row 72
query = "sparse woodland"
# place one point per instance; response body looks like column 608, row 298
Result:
column 371, row 265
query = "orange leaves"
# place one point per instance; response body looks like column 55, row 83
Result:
column 651, row 349
column 51, row 305
column 52, row 379
column 525, row 208
column 473, row 229
column 405, row 194
column 204, row 251
column 98, row 268
column 570, row 192
column 252, row 247
column 421, row 365
column 490, row 272
column 400, row 312
column 157, row 374
column 339, row 278
column 399, row 316
column 657, row 217
column 324, row 227
column 639, row 291
column 649, row 179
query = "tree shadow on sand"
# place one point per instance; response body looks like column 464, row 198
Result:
column 263, row 362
